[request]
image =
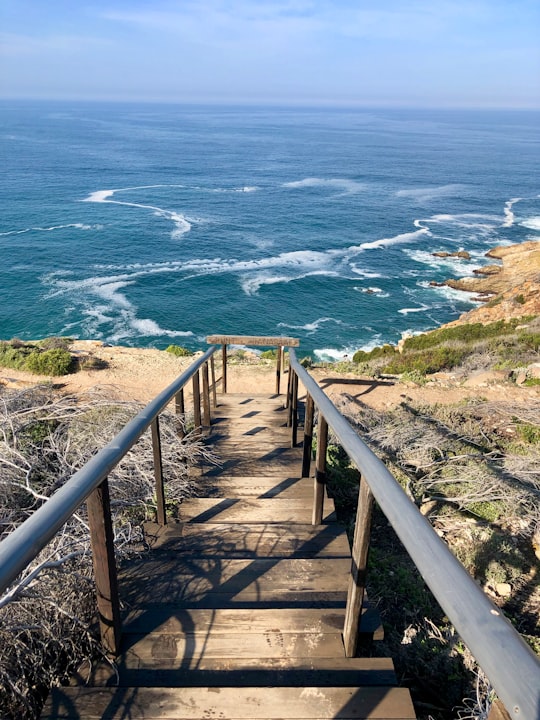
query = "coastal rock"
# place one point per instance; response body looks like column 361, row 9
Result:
column 462, row 254
column 532, row 372
column 512, row 291
column 488, row 270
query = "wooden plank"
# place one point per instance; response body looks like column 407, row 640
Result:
column 222, row 621
column 220, row 582
column 247, row 510
column 255, row 340
column 249, row 541
column 191, row 648
column 254, row 703
column 253, row 487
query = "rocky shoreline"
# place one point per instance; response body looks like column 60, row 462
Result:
column 508, row 289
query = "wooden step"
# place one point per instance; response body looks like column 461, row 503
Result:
column 248, row 510
column 261, row 540
column 267, row 487
column 215, row 582
column 254, row 703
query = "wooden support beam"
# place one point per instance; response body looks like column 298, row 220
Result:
column 196, row 400
column 357, row 581
column 213, row 381
column 224, row 368
column 308, row 436
column 320, row 471
column 279, row 362
column 102, row 542
column 207, row 421
column 294, row 412
column 180, row 409
column 158, row 472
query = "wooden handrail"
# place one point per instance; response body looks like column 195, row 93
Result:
column 511, row 666
column 253, row 340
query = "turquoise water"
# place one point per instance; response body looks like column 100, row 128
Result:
column 151, row 224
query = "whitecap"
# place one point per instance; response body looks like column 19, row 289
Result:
column 396, row 240
column 347, row 186
column 407, row 311
column 311, row 327
column 532, row 223
column 509, row 213
column 104, row 196
column 424, row 194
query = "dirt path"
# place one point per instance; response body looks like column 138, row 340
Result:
column 140, row 374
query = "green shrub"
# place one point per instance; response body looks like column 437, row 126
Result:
column 269, row 354
column 377, row 352
column 178, row 350
column 426, row 361
column 49, row 362
column 467, row 333
column 520, row 299
column 13, row 357
column 306, row 362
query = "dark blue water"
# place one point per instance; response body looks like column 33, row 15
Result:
column 147, row 224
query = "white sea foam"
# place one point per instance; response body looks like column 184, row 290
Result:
column 422, row 195
column 509, row 213
column 181, row 222
column 459, row 265
column 311, row 327
column 347, row 187
column 407, row 311
column 532, row 223
column 52, row 228
column 396, row 240
column 333, row 354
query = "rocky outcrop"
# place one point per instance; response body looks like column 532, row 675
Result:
column 510, row 289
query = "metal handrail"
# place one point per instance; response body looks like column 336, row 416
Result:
column 21, row 546
column 511, row 666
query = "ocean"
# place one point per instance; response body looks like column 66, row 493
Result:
column 146, row 225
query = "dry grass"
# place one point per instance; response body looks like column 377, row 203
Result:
column 47, row 615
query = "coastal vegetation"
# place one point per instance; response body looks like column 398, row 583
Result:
column 47, row 619
column 476, row 346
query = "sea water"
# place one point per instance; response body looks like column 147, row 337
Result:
column 148, row 225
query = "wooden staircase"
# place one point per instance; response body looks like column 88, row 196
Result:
column 238, row 610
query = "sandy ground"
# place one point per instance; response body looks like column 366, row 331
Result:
column 140, row 374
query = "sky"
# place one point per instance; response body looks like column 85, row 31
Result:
column 383, row 53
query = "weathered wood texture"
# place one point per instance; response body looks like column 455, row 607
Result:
column 253, row 340
column 191, row 703
column 239, row 608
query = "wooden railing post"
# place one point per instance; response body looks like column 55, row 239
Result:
column 224, row 369
column 213, row 380
column 289, row 393
column 158, row 472
column 294, row 412
column 207, row 420
column 308, row 436
column 357, row 580
column 180, row 409
column 102, row 542
column 279, row 362
column 196, row 401
column 320, row 471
